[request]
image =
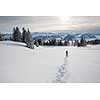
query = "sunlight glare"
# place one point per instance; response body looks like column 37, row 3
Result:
column 64, row 18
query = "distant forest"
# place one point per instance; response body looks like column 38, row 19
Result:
column 26, row 37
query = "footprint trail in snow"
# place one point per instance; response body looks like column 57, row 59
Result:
column 62, row 73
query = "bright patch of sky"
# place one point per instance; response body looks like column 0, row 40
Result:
column 50, row 23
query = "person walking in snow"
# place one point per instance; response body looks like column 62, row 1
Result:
column 66, row 53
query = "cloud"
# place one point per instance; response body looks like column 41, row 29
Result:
column 50, row 23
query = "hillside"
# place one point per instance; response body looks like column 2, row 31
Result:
column 48, row 64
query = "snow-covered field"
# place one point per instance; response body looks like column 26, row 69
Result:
column 48, row 64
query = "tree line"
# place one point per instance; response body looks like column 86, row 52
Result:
column 55, row 42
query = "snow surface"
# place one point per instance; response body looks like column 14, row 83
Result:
column 48, row 64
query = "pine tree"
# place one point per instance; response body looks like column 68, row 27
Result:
column 14, row 34
column 24, row 35
column 1, row 37
column 36, row 43
column 28, row 36
column 19, row 38
column 28, row 40
column 82, row 42
column 17, row 35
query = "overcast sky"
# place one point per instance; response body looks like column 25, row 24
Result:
column 50, row 23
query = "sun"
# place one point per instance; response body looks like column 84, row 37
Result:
column 64, row 18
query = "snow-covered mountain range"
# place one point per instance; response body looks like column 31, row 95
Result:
column 64, row 35
column 58, row 35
